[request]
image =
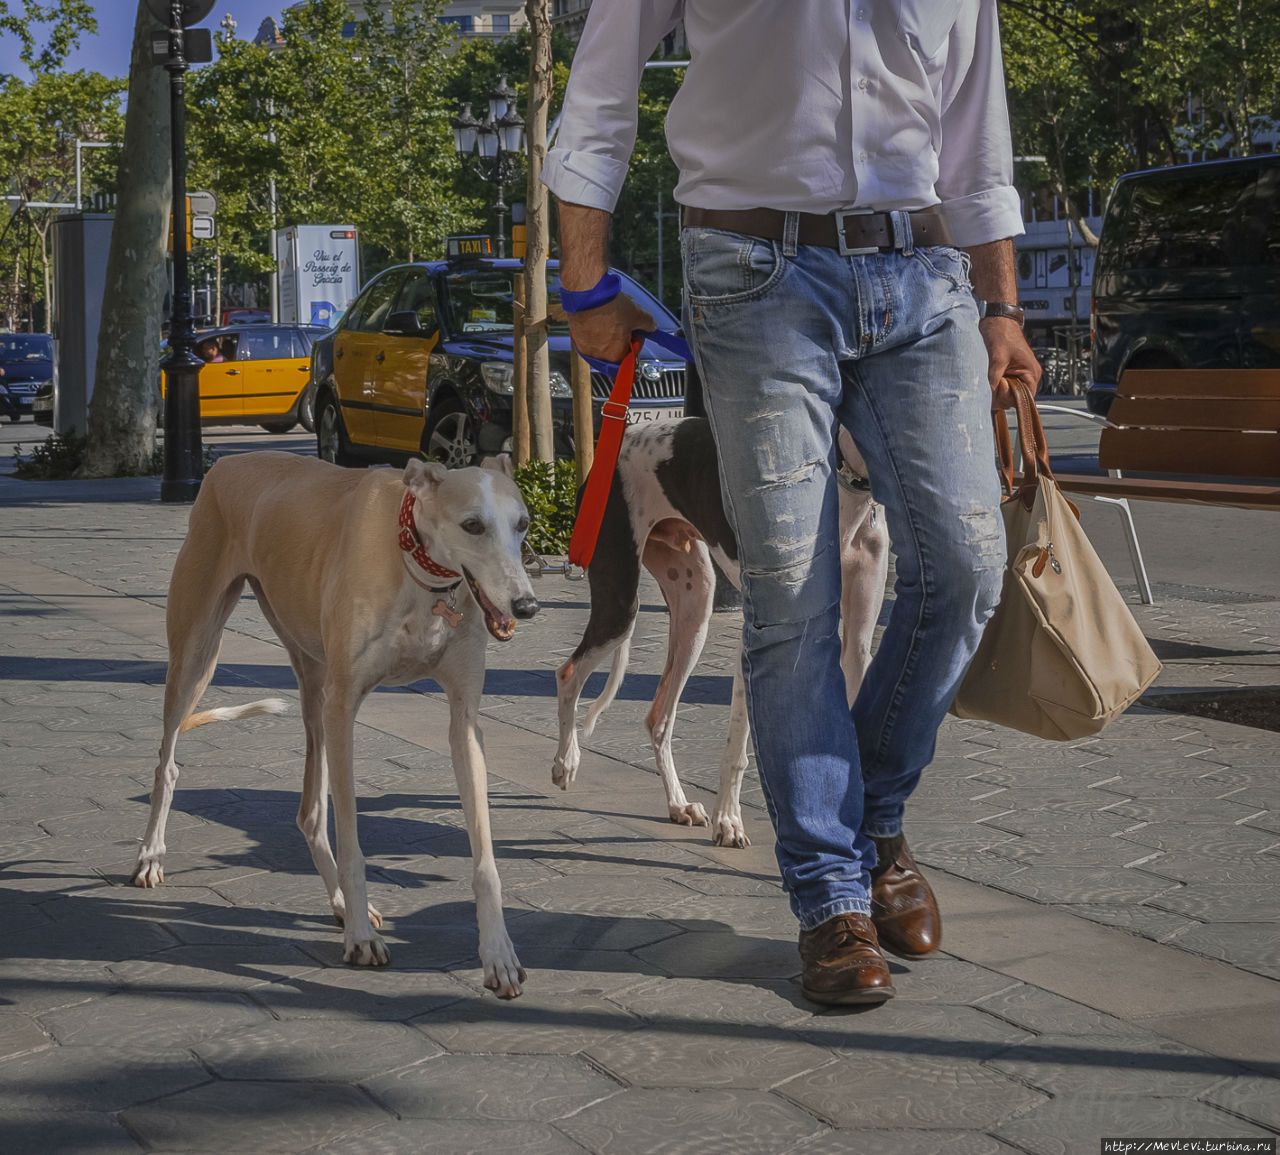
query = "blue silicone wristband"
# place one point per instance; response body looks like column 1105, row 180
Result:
column 601, row 293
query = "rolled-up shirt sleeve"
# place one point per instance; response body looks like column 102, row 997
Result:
column 589, row 162
column 975, row 161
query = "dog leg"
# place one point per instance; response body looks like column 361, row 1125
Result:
column 361, row 946
column 502, row 970
column 570, row 679
column 726, row 821
column 683, row 570
column 195, row 618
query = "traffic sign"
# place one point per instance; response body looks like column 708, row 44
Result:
column 203, row 204
column 202, row 228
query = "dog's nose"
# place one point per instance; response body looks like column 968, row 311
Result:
column 524, row 608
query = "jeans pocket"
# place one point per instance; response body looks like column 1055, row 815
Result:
column 948, row 262
column 722, row 268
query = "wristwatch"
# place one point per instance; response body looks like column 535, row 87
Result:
column 1001, row 309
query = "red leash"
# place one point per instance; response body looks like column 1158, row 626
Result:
column 595, row 496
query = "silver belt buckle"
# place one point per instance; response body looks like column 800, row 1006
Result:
column 845, row 250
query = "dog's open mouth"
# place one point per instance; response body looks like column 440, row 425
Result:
column 500, row 625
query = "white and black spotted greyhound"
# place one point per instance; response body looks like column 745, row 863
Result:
column 664, row 512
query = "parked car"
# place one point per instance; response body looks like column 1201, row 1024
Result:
column 421, row 362
column 1187, row 274
column 26, row 362
column 254, row 375
column 246, row 316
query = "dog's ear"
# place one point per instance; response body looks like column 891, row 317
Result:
column 424, row 477
column 500, row 464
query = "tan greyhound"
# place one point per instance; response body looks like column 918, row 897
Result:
column 369, row 578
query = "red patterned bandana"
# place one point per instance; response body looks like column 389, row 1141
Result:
column 413, row 548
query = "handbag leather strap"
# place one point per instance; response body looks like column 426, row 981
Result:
column 1035, row 447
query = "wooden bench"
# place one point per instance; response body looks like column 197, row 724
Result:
column 1222, row 424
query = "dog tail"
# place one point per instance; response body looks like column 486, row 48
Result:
column 231, row 713
column 621, row 656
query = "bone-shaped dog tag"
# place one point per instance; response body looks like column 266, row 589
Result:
column 443, row 610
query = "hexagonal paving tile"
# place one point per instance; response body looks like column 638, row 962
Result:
column 615, row 895
column 912, row 1028
column 678, row 1004
column 538, row 1023
column 536, row 1088
column 20, row 1034
column 40, row 1132
column 1047, row 1013
column 1072, row 1124
column 152, row 1023
column 911, row 1091
column 304, row 1051
column 707, row 955
column 665, row 1122
column 98, row 1078
column 252, row 1117
column 1125, row 1065
column 206, row 967
column 455, row 1137
column 904, row 1143
column 360, row 993
column 670, row 1054
column 563, row 972
column 1252, row 1096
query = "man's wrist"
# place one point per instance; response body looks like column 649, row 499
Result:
column 1006, row 309
column 601, row 293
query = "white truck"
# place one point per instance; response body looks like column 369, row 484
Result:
column 318, row 270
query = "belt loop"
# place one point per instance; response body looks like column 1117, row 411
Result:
column 790, row 233
column 901, row 221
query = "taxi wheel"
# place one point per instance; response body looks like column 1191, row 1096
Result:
column 307, row 410
column 331, row 438
column 451, row 437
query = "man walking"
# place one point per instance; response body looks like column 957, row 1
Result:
column 845, row 177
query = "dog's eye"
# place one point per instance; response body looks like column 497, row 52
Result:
column 474, row 526
column 522, row 525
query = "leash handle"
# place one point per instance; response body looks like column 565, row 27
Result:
column 669, row 341
column 595, row 494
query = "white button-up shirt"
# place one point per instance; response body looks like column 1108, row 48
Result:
column 805, row 105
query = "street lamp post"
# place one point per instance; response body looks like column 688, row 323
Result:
column 183, row 450
column 494, row 143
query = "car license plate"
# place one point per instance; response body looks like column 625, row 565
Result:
column 643, row 416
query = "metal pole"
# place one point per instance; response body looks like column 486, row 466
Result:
column 183, row 451
column 500, row 208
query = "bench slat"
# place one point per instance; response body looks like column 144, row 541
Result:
column 1144, row 489
column 1231, row 413
column 1213, row 451
column 1199, row 383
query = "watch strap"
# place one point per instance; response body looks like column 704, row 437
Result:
column 1002, row 309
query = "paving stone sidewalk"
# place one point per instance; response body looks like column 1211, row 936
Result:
column 1110, row 961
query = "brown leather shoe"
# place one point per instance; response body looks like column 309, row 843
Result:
column 843, row 963
column 902, row 903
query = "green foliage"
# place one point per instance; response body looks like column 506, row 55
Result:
column 550, row 491
column 60, row 455
column 63, row 22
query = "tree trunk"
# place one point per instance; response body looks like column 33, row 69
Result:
column 122, row 412
column 535, row 258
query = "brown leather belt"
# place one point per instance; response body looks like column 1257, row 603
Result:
column 851, row 233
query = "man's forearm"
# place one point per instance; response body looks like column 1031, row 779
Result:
column 584, row 246
column 991, row 270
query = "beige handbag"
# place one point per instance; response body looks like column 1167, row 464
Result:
column 1062, row 654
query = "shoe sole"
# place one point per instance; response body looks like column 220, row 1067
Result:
column 848, row 998
column 910, row 956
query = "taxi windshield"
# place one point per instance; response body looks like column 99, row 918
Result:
column 479, row 300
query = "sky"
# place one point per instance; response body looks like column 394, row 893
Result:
column 108, row 51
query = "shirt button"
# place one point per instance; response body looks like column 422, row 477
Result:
column 862, row 13
column 862, row 84
column 862, row 155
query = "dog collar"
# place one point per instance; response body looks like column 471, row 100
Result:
column 414, row 551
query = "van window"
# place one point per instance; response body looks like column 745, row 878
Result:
column 1191, row 221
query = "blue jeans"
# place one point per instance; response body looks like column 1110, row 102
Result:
column 790, row 344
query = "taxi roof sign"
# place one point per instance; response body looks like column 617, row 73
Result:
column 472, row 246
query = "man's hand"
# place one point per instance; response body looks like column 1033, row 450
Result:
column 605, row 332
column 1008, row 355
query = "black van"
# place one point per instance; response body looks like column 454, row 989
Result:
column 1187, row 273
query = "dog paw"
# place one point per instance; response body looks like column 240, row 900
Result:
column 148, row 873
column 503, row 974
column 694, row 814
column 729, row 832
column 340, row 913
column 370, row 952
column 563, row 772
